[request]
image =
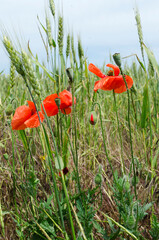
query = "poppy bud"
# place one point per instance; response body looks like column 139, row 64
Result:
column 58, row 102
column 5, row 155
column 98, row 179
column 65, row 171
column 93, row 118
column 127, row 182
column 69, row 72
column 9, row 110
column 117, row 59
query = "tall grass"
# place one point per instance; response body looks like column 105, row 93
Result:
column 71, row 177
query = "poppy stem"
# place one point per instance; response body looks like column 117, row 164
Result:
column 132, row 154
column 75, row 137
column 63, row 180
column 93, row 99
column 105, row 148
column 58, row 132
column 121, row 141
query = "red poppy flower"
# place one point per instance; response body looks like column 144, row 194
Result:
column 109, row 83
column 26, row 117
column 50, row 105
column 65, row 103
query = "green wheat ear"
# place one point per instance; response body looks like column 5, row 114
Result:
column 14, row 55
column 48, row 28
column 12, row 75
column 73, row 50
column 80, row 51
column 139, row 29
column 52, row 7
column 60, row 35
column 68, row 46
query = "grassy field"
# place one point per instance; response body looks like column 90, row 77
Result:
column 77, row 163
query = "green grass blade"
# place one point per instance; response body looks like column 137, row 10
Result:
column 152, row 59
column 144, row 107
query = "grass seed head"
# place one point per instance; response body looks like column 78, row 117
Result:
column 14, row 56
column 49, row 35
column 60, row 35
column 52, row 7
column 73, row 50
column 12, row 75
column 68, row 46
column 80, row 50
column 139, row 29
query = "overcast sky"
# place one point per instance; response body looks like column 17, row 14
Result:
column 104, row 26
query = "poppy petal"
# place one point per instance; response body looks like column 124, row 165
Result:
column 66, row 110
column 123, row 87
column 111, row 83
column 33, row 121
column 66, row 99
column 115, row 68
column 32, row 106
column 22, row 113
column 50, row 105
column 92, row 68
column 99, row 84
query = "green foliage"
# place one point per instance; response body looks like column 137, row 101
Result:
column 104, row 233
column 131, row 212
column 40, row 199
column 86, row 212
column 154, row 232
column 44, row 220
